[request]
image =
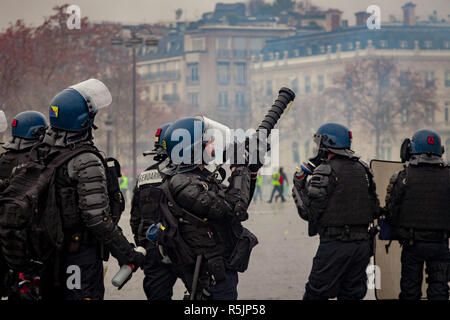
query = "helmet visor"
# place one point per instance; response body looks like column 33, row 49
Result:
column 95, row 91
column 317, row 138
column 3, row 122
column 216, row 135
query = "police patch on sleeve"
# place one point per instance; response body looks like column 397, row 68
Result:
column 149, row 177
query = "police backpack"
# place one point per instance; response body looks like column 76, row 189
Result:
column 31, row 230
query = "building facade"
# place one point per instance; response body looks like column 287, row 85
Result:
column 309, row 62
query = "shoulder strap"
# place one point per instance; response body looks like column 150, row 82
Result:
column 66, row 155
column 165, row 187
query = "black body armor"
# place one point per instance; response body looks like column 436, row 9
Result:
column 146, row 197
column 426, row 198
column 349, row 200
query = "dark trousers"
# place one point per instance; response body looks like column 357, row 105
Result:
column 225, row 289
column 3, row 275
column 159, row 277
column 91, row 276
column 436, row 256
column 278, row 189
column 339, row 270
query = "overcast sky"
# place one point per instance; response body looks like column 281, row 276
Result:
column 134, row 11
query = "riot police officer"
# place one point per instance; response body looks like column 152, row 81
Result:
column 82, row 196
column 27, row 128
column 417, row 205
column 335, row 193
column 160, row 276
column 201, row 221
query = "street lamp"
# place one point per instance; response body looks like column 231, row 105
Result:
column 133, row 42
column 108, row 128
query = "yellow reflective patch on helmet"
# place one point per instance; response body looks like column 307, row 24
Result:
column 54, row 111
column 164, row 144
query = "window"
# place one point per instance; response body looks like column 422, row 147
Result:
column 307, row 84
column 239, row 99
column 192, row 73
column 404, row 114
column 383, row 43
column 223, row 99
column 174, row 88
column 223, row 73
column 384, row 78
column 447, row 78
column 240, row 73
column 198, row 44
column 256, row 45
column 269, row 90
column 156, row 92
column 428, row 44
column 446, row 113
column 350, row 46
column 223, row 43
column 429, row 79
column 403, row 44
column 294, row 85
column 163, row 89
column 295, row 153
column 404, row 76
column 239, row 48
column 320, row 83
column 193, row 98
column 348, row 82
column 146, row 94
column 429, row 114
column 223, row 47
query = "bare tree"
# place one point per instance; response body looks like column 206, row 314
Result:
column 374, row 93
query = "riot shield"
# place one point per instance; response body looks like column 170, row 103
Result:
column 387, row 257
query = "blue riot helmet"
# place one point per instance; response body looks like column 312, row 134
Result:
column 3, row 122
column 159, row 135
column 186, row 139
column 75, row 108
column 28, row 125
column 426, row 141
column 332, row 137
column 158, row 151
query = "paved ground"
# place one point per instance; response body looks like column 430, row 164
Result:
column 279, row 266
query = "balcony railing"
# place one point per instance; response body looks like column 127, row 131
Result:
column 223, row 54
column 192, row 81
column 165, row 75
column 171, row 97
column 240, row 54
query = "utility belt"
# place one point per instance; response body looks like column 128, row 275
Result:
column 344, row 233
column 410, row 235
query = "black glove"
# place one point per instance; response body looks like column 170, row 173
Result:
column 138, row 260
column 299, row 180
column 255, row 157
column 237, row 155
